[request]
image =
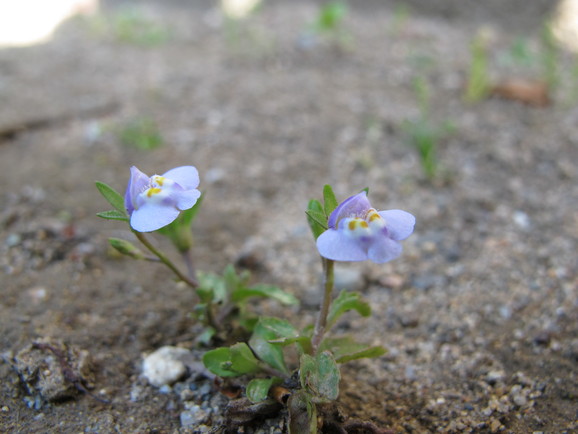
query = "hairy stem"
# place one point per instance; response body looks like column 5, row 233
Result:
column 321, row 323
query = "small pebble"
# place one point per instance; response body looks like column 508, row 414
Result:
column 495, row 425
column 518, row 395
column 165, row 366
column 13, row 240
column 494, row 377
column 521, row 219
column 193, row 416
column 393, row 281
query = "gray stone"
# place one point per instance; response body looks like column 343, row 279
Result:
column 53, row 370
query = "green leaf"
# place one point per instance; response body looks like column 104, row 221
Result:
column 347, row 301
column 306, row 369
column 329, row 200
column 112, row 196
column 303, row 340
column 219, row 362
column 345, row 349
column 320, row 376
column 342, row 346
column 316, row 217
column 248, row 322
column 206, row 335
column 268, row 291
column 231, row 362
column 268, row 329
column 258, row 388
column 112, row 215
column 212, row 288
column 279, row 327
column 243, row 360
column 368, row 353
column 303, row 343
column 233, row 280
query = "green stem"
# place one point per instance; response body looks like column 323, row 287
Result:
column 321, row 324
column 189, row 281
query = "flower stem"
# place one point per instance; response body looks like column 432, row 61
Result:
column 191, row 281
column 321, row 324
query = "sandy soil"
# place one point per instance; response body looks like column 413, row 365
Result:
column 480, row 315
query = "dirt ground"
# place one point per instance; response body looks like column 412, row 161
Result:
column 480, row 314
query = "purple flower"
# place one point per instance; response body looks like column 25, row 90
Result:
column 155, row 202
column 358, row 232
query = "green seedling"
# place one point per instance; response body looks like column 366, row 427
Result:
column 425, row 136
column 329, row 23
column 478, row 84
column 549, row 56
column 141, row 133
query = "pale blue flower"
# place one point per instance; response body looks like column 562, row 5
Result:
column 156, row 201
column 358, row 232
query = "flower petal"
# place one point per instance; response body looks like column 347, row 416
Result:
column 399, row 223
column 354, row 206
column 152, row 216
column 186, row 176
column 137, row 183
column 338, row 246
column 384, row 249
column 186, row 199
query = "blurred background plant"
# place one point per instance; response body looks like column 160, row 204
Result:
column 329, row 25
column 131, row 25
column 141, row 133
column 423, row 134
column 478, row 82
column 549, row 56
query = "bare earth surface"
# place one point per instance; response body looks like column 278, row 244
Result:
column 480, row 315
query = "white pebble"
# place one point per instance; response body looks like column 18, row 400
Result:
column 165, row 366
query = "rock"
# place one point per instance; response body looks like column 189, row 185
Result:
column 393, row 281
column 53, row 370
column 194, row 415
column 495, row 377
column 165, row 366
column 519, row 395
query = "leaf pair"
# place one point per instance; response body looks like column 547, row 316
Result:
column 115, row 199
column 235, row 288
column 241, row 358
column 266, row 332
